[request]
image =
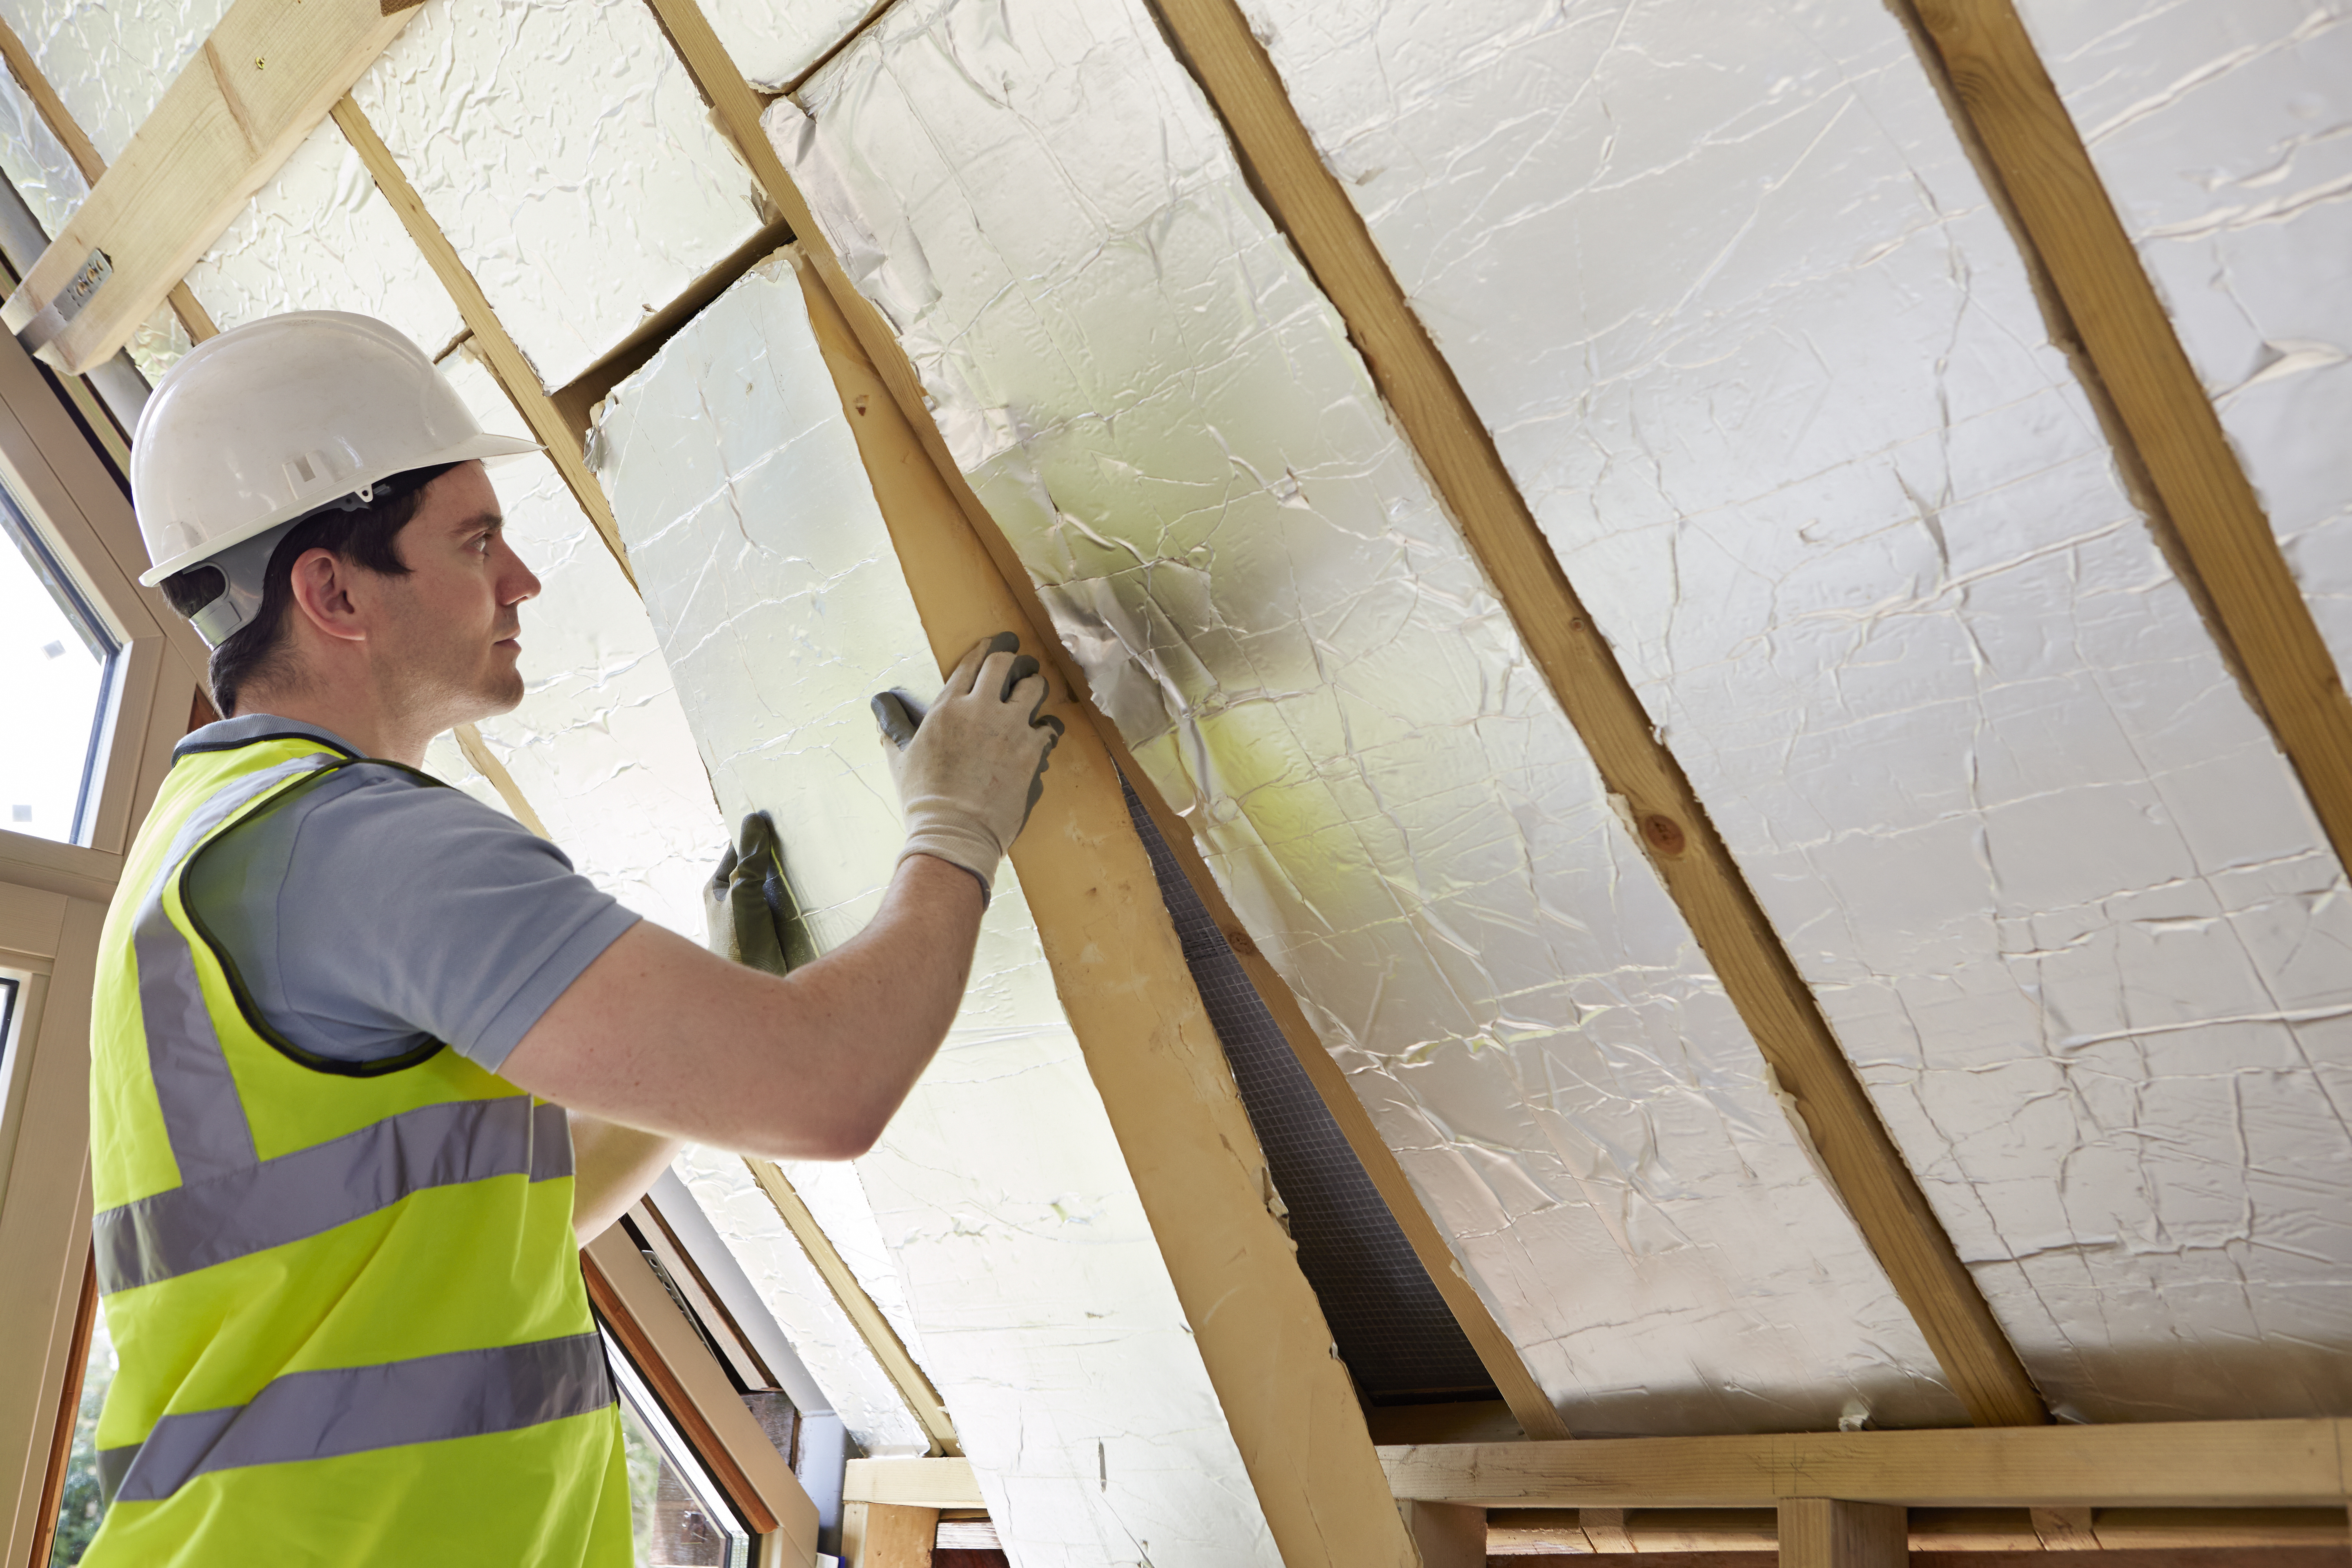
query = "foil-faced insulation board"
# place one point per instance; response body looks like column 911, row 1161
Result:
column 35, row 161
column 1166, row 419
column 599, row 746
column 320, row 237
column 1764, row 361
column 2223, row 134
column 1045, row 1313
column 1390, row 1325
column 804, row 1307
column 569, row 158
column 775, row 42
column 110, row 63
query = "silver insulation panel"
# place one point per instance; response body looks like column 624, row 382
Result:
column 319, row 236
column 1764, row 361
column 1166, row 419
column 775, row 42
column 599, row 746
column 110, row 61
column 569, row 158
column 2223, row 134
column 1027, row 1270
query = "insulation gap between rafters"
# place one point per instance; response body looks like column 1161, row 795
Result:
column 1279, row 156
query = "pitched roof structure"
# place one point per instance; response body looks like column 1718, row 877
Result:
column 1708, row 779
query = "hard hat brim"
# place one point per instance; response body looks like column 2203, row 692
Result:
column 486, row 447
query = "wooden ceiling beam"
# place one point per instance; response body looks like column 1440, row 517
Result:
column 2164, row 426
column 490, row 337
column 262, row 81
column 1138, row 1016
column 2176, row 1465
column 1758, row 974
column 737, row 109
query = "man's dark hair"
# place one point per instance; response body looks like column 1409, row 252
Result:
column 369, row 537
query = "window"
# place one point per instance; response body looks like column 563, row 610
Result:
column 57, row 666
column 680, row 1516
column 79, row 1507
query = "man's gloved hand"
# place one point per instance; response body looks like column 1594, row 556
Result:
column 754, row 917
column 970, row 770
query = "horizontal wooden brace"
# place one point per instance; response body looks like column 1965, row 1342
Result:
column 262, row 82
column 1532, row 1531
column 912, row 1483
column 2189, row 1464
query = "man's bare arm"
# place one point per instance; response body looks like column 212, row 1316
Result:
column 611, row 1167
column 660, row 1035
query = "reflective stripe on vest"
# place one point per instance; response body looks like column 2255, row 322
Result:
column 413, row 1329
column 272, row 1202
column 352, row 1409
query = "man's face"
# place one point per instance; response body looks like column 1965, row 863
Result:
column 451, row 628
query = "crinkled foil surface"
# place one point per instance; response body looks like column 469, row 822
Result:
column 35, row 161
column 1166, row 419
column 2223, row 134
column 599, row 746
column 568, row 156
column 775, row 42
column 320, row 237
column 110, row 61
column 1764, row 361
column 1027, row 1270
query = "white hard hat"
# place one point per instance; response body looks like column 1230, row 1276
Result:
column 262, row 425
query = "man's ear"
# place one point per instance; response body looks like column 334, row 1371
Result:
column 322, row 582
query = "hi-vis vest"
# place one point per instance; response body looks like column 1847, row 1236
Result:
column 346, row 1298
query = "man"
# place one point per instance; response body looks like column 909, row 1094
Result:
column 338, row 1005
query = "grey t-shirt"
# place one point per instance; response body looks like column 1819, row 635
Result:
column 374, row 914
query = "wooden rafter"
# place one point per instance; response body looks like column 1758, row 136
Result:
column 1149, row 1049
column 2199, row 1464
column 490, row 337
column 2164, row 425
column 914, row 1385
column 1762, row 981
column 262, row 81
column 736, row 109
column 194, row 320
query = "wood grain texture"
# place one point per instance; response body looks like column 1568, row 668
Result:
column 486, row 763
column 736, row 109
column 2201, row 1464
column 2220, row 538
column 263, row 80
column 1157, row 1065
column 694, row 1391
column 1446, row 1534
column 1756, row 972
column 195, row 319
column 914, row 1385
column 1830, row 1532
column 61, row 1432
column 923, row 1483
column 893, row 1535
column 491, row 339
column 1527, row 1531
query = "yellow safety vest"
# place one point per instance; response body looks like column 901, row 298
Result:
column 346, row 1298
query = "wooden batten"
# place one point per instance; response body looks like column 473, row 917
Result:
column 1762, row 981
column 2165, row 427
column 2172, row 1465
column 736, row 109
column 263, row 80
column 1148, row 1046
column 914, row 1386
column 490, row 335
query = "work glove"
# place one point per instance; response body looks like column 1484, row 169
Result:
column 971, row 767
column 754, row 917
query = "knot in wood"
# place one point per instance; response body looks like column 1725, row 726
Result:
column 1664, row 833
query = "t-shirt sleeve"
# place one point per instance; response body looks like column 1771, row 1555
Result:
column 418, row 911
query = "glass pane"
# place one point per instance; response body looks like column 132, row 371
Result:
column 54, row 661
column 678, row 1515
column 80, row 1507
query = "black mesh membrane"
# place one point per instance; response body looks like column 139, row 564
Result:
column 1392, row 1328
